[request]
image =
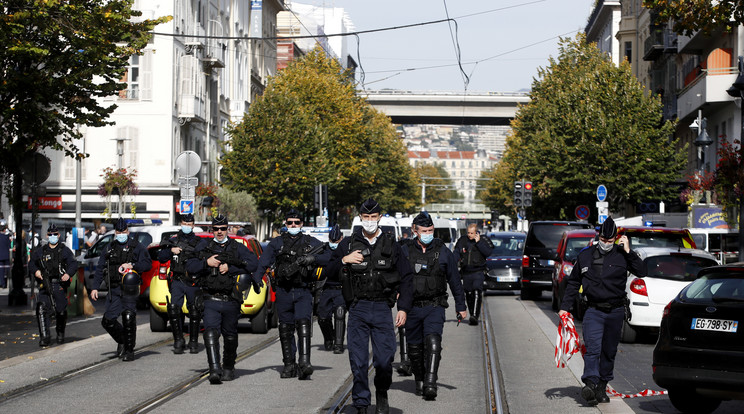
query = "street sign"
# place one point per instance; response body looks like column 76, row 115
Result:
column 602, row 204
column 602, row 218
column 582, row 212
column 188, row 192
column 187, row 207
column 601, row 192
column 188, row 163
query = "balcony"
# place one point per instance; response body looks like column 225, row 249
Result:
column 708, row 88
column 653, row 47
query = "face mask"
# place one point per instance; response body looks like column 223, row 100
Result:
column 369, row 226
column 186, row 229
column 220, row 241
column 426, row 238
column 122, row 238
column 294, row 230
column 53, row 239
column 333, row 246
column 605, row 247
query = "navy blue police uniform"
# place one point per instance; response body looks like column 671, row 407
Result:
column 55, row 260
column 121, row 299
column 434, row 267
column 603, row 275
column 471, row 256
column 294, row 257
column 222, row 295
column 331, row 303
column 4, row 255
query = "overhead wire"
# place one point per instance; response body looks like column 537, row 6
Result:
column 456, row 45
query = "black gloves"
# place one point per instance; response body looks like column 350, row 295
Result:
column 306, row 260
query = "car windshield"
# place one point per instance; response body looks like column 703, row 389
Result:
column 716, row 287
column 574, row 246
column 548, row 235
column 676, row 267
column 507, row 245
column 443, row 233
column 655, row 240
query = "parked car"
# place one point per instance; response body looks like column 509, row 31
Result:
column 572, row 242
column 640, row 236
column 505, row 261
column 699, row 357
column 669, row 270
column 538, row 259
column 259, row 307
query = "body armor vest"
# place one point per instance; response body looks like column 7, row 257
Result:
column 117, row 255
column 376, row 277
column 287, row 269
column 429, row 281
column 52, row 259
column 178, row 262
column 470, row 256
column 216, row 282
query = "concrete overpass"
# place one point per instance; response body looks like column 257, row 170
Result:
column 447, row 108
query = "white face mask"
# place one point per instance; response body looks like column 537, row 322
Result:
column 294, row 230
column 369, row 226
column 605, row 247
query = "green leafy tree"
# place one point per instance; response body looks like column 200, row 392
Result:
column 310, row 127
column 689, row 16
column 237, row 205
column 436, row 192
column 588, row 123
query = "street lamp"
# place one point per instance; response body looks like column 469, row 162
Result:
column 737, row 91
column 702, row 141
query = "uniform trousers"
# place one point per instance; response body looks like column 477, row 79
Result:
column 473, row 280
column 423, row 321
column 601, row 337
column 116, row 303
column 221, row 316
column 60, row 297
column 330, row 299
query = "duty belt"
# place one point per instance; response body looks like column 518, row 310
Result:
column 334, row 287
column 607, row 306
column 221, row 297
column 428, row 302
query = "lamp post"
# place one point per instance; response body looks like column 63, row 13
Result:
column 703, row 139
column 737, row 91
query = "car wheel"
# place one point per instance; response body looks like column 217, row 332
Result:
column 628, row 333
column 260, row 321
column 525, row 294
column 687, row 401
column 158, row 322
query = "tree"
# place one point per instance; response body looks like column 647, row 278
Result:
column 689, row 16
column 237, row 205
column 435, row 192
column 308, row 128
column 588, row 122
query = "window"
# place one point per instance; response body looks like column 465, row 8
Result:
column 138, row 77
column 629, row 51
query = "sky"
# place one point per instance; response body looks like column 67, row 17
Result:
column 502, row 42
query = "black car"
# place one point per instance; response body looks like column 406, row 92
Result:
column 699, row 357
column 539, row 256
column 505, row 260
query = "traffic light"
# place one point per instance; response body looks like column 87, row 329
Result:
column 494, row 215
column 518, row 193
column 527, row 194
column 321, row 197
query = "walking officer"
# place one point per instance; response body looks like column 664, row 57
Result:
column 434, row 267
column 178, row 250
column 602, row 271
column 470, row 253
column 52, row 265
column 331, row 303
column 375, row 273
column 404, row 368
column 121, row 263
column 223, row 267
column 294, row 255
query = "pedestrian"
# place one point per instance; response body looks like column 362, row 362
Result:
column 223, row 267
column 375, row 274
column 601, row 270
column 434, row 267
column 121, row 264
column 5, row 247
column 404, row 367
column 94, row 236
column 294, row 256
column 471, row 251
column 52, row 264
column 331, row 302
column 178, row 250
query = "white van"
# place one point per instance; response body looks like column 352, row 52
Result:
column 388, row 224
column 721, row 243
column 445, row 230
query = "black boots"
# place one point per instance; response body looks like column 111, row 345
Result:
column 589, row 393
column 304, row 368
column 477, row 302
column 228, row 361
column 404, row 369
column 212, row 346
column 42, row 317
column 600, row 392
column 194, row 324
column 432, row 356
column 174, row 315
column 114, row 328
column 129, row 319
column 339, row 330
column 286, row 335
column 61, row 323
column 470, row 299
column 416, row 354
column 326, row 328
column 381, row 399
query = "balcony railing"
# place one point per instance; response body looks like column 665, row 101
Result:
column 653, row 47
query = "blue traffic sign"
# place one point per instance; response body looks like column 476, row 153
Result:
column 187, row 207
column 601, row 192
column 582, row 212
column 602, row 218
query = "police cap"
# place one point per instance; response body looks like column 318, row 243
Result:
column 292, row 213
column 608, row 229
column 219, row 220
column 52, row 229
column 370, row 207
column 423, row 219
column 120, row 225
column 335, row 234
column 187, row 218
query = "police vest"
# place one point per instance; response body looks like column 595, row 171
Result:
column 470, row 256
column 287, row 270
column 429, row 281
column 178, row 262
column 117, row 255
column 376, row 277
column 216, row 282
column 52, row 262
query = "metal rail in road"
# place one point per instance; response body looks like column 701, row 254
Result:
column 493, row 374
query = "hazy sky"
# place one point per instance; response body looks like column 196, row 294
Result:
column 509, row 40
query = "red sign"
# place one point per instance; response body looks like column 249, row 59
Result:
column 582, row 212
column 46, row 203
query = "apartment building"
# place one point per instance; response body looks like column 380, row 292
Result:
column 463, row 167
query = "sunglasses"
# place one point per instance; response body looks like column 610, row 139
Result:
column 52, row 234
column 294, row 221
column 220, row 228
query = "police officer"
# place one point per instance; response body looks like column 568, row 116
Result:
column 294, row 255
column 223, row 267
column 434, row 267
column 404, row 368
column 375, row 273
column 121, row 263
column 470, row 253
column 602, row 271
column 178, row 250
column 52, row 263
column 331, row 303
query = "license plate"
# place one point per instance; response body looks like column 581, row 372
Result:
column 506, row 278
column 719, row 325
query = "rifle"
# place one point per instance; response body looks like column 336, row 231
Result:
column 302, row 264
column 47, row 282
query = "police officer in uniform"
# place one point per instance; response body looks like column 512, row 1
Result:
column 121, row 263
column 331, row 303
column 294, row 255
column 57, row 262
column 602, row 271
column 178, row 250
column 375, row 273
column 223, row 267
column 404, row 368
column 434, row 267
column 470, row 253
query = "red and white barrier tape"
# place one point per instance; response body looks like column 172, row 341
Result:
column 645, row 393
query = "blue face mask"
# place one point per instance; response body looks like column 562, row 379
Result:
column 294, row 230
column 186, row 229
column 426, row 238
column 333, row 246
column 54, row 239
column 223, row 241
column 122, row 238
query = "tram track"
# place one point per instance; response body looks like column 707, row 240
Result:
column 493, row 373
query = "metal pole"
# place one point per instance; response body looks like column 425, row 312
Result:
column 741, row 196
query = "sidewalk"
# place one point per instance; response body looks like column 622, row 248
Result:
column 6, row 310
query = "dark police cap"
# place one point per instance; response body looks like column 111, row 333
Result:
column 52, row 228
column 335, row 234
column 423, row 219
column 608, row 229
column 370, row 207
column 120, row 225
column 292, row 213
column 219, row 220
column 188, row 218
